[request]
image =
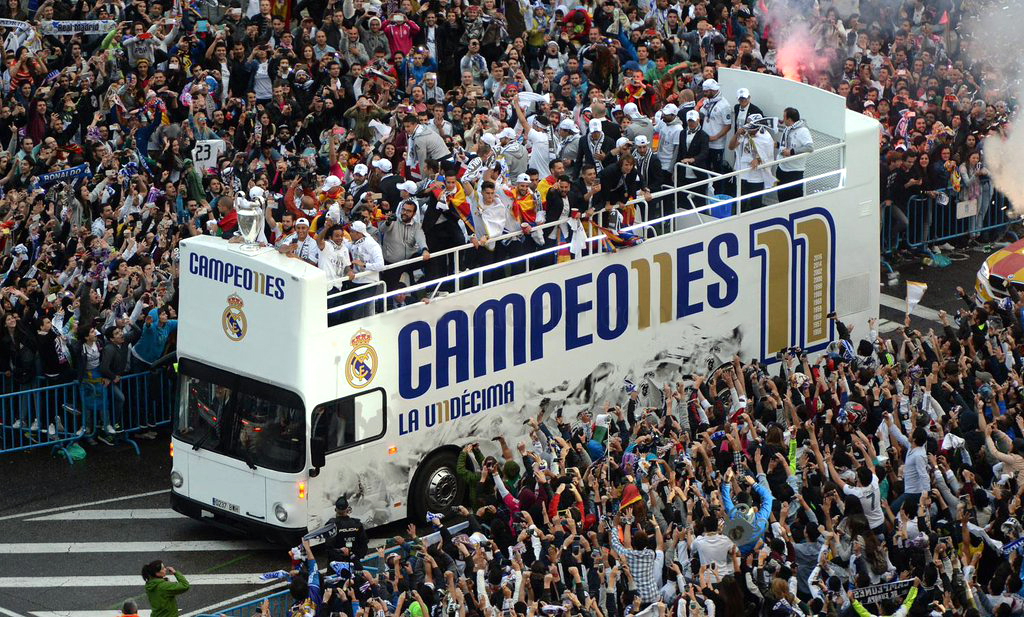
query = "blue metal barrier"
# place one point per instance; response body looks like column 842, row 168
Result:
column 281, row 601
column 60, row 414
column 926, row 221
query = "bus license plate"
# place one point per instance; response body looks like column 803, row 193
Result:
column 223, row 505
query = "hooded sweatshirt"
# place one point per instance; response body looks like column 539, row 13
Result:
column 163, row 595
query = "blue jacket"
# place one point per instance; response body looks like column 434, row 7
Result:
column 760, row 521
column 154, row 337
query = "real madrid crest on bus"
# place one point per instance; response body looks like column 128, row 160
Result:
column 361, row 365
column 233, row 319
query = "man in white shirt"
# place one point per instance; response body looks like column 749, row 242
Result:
column 754, row 148
column 717, row 115
column 334, row 258
column 305, row 246
column 668, row 127
column 866, row 491
column 794, row 139
column 367, row 262
column 713, row 548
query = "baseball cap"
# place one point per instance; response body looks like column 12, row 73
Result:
column 566, row 125
column 641, row 140
column 523, row 178
column 331, row 182
column 490, row 139
column 383, row 165
column 693, row 114
column 743, row 93
column 408, row 186
column 710, row 84
column 622, row 141
column 507, row 133
column 631, row 110
column 302, row 221
column 357, row 226
column 341, row 503
column 595, row 126
column 360, row 170
column 669, row 110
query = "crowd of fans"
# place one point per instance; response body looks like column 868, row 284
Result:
column 883, row 478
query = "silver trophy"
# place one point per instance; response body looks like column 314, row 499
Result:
column 250, row 218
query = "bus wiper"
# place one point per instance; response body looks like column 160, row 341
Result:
column 247, row 457
column 199, row 442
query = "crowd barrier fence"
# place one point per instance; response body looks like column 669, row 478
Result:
column 59, row 415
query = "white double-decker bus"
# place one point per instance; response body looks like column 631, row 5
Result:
column 280, row 413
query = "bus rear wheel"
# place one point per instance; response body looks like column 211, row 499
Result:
column 437, row 488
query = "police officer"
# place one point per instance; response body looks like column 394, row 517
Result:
column 349, row 543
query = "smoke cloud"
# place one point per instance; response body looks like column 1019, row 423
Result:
column 795, row 57
column 991, row 37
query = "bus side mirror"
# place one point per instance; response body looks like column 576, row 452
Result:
column 318, row 451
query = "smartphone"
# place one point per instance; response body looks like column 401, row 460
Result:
column 202, row 25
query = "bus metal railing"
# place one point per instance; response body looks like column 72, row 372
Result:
column 544, row 254
column 58, row 415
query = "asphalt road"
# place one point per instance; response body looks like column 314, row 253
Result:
column 73, row 538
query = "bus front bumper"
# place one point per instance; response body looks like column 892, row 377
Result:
column 236, row 523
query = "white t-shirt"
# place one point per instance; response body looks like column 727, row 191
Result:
column 870, row 500
column 540, row 153
column 334, row 260
column 717, row 115
column 713, row 551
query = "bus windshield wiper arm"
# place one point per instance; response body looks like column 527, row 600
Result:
column 199, row 442
column 247, row 457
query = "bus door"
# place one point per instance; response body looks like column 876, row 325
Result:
column 346, row 456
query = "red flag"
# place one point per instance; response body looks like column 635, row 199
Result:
column 944, row 19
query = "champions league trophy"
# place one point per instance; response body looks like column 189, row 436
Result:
column 250, row 218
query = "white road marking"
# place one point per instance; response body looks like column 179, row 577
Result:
column 900, row 305
column 109, row 515
column 4, row 611
column 132, row 580
column 38, row 548
column 142, row 613
column 79, row 506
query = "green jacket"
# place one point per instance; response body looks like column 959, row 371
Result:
column 163, row 595
column 471, row 479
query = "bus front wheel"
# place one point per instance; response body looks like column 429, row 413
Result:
column 437, row 488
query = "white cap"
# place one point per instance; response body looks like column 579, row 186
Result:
column 408, row 186
column 752, row 118
column 631, row 110
column 360, row 170
column 743, row 93
column 622, row 141
column 641, row 140
column 331, row 182
column 521, row 178
column 302, row 221
column 669, row 110
column 693, row 114
column 383, row 165
column 490, row 139
column 566, row 125
column 709, row 84
column 507, row 133
column 358, row 226
column 595, row 126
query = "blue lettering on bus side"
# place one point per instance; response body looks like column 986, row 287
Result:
column 494, row 396
column 718, row 298
column 538, row 326
column 605, row 316
column 448, row 347
column 239, row 277
column 686, row 275
column 405, row 369
column 573, row 310
column 705, row 276
column 499, row 311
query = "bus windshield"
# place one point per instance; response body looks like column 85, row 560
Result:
column 254, row 422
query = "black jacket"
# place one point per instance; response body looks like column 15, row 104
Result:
column 697, row 150
column 754, row 109
column 585, row 157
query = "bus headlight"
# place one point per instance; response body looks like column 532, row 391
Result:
column 176, row 479
column 280, row 513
